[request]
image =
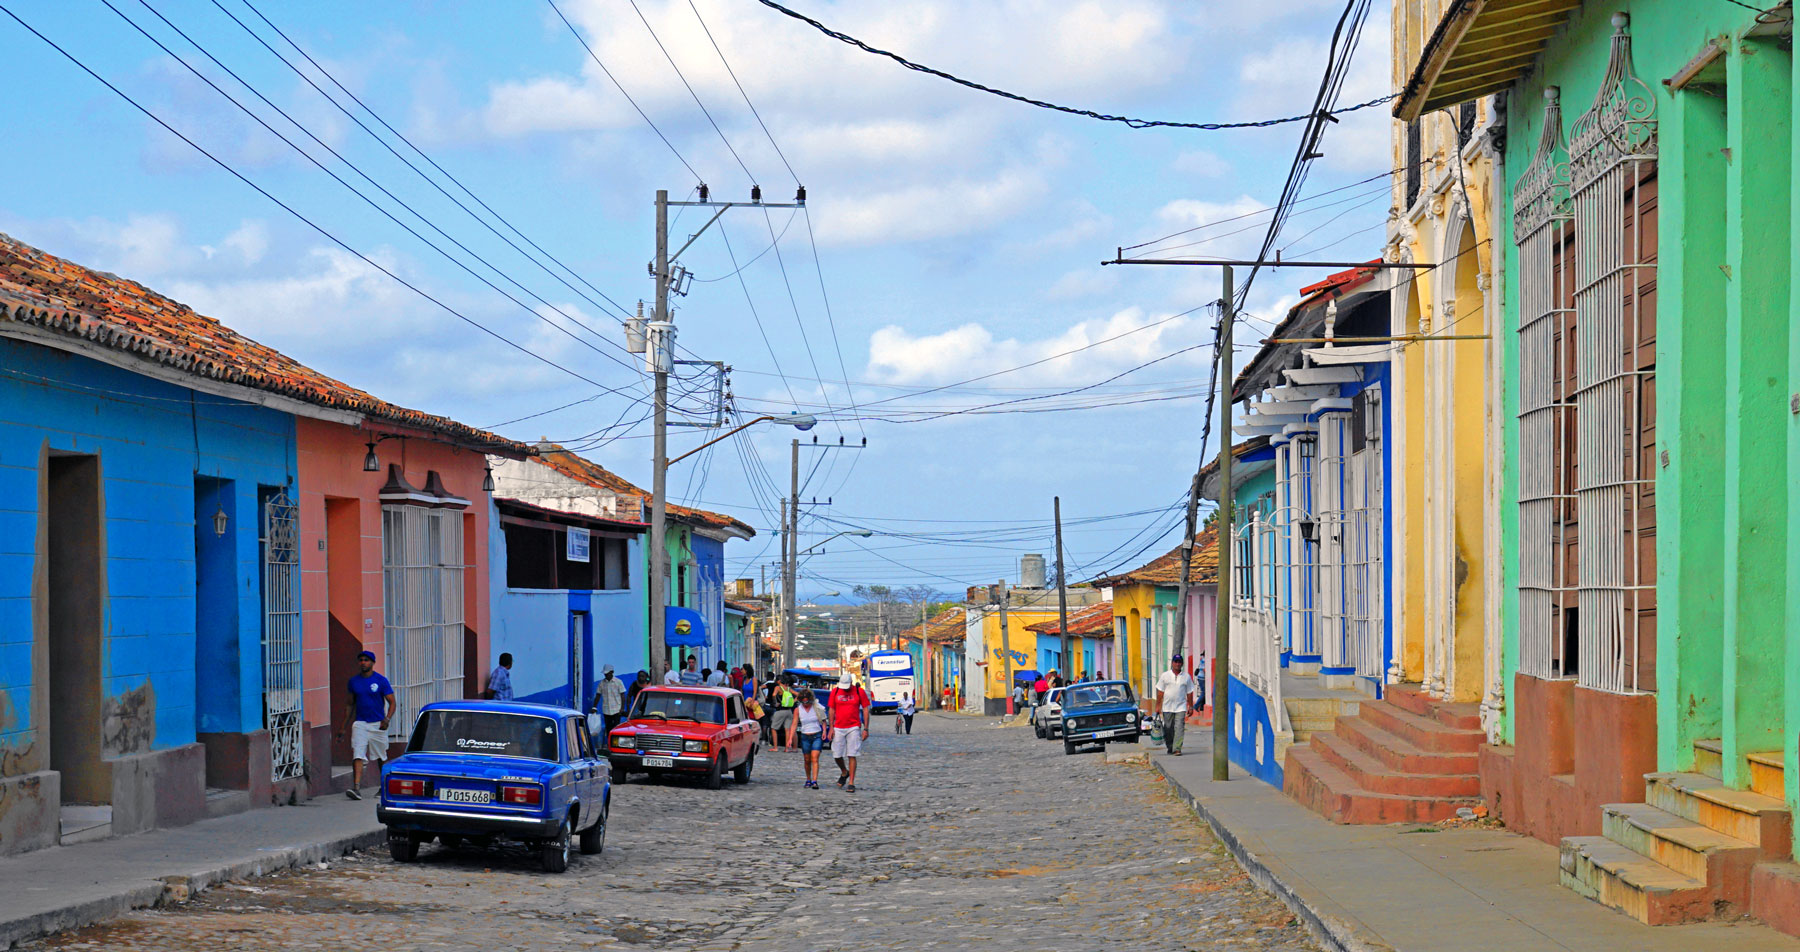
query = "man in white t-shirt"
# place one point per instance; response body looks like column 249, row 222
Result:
column 1174, row 688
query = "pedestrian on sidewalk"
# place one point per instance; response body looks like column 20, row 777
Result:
column 849, row 727
column 716, row 677
column 690, row 673
column 1039, row 688
column 637, row 685
column 609, row 699
column 366, row 714
column 809, row 719
column 785, row 700
column 500, row 679
column 907, row 709
column 1174, row 688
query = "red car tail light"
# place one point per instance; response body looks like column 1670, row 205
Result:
column 408, row 787
column 523, row 796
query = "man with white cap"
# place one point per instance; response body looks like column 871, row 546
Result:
column 849, row 707
column 609, row 699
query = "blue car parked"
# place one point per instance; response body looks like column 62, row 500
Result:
column 1099, row 712
column 486, row 770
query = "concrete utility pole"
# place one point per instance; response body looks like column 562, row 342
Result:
column 1062, row 595
column 1221, row 675
column 791, row 554
column 1006, row 648
column 659, row 549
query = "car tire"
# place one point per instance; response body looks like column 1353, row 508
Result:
column 741, row 773
column 593, row 839
column 715, row 776
column 556, row 850
column 403, row 848
column 1038, row 729
column 1068, row 747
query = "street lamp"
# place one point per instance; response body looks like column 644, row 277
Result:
column 801, row 421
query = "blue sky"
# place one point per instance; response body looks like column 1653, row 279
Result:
column 956, row 234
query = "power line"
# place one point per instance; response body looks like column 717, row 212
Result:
column 1089, row 113
column 703, row 110
column 1259, row 211
column 740, row 87
column 615, row 81
column 234, row 173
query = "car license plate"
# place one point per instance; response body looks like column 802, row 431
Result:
column 452, row 795
column 1117, row 731
column 659, row 761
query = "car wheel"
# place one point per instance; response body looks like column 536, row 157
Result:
column 1038, row 729
column 556, row 850
column 403, row 848
column 742, row 773
column 593, row 839
column 1068, row 747
column 715, row 777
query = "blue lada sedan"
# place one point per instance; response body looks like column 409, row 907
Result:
column 1099, row 712
column 486, row 770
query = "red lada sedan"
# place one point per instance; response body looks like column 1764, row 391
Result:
column 697, row 731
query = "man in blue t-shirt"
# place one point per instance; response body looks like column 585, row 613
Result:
column 366, row 716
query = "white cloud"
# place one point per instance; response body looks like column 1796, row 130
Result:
column 1201, row 163
column 1084, row 282
column 1074, row 355
column 929, row 210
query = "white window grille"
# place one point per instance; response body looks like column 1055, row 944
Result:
column 1365, row 545
column 1612, row 167
column 1331, row 523
column 1543, row 226
column 281, row 635
column 1294, row 555
column 422, row 575
column 1255, row 640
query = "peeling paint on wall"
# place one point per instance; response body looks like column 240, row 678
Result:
column 128, row 721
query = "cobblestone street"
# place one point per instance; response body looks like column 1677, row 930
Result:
column 960, row 836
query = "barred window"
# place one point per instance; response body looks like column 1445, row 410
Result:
column 422, row 577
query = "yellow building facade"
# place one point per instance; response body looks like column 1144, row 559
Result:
column 1447, row 196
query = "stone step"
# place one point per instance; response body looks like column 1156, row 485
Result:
column 1756, row 819
column 223, row 802
column 1422, row 732
column 1329, row 791
column 1767, row 768
column 1371, row 774
column 1709, row 757
column 1642, row 888
column 1399, row 755
column 1683, row 845
column 1413, row 699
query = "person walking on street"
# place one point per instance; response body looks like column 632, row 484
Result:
column 1174, row 688
column 1039, row 688
column 609, row 699
column 907, row 709
column 717, row 678
column 690, row 673
column 366, row 714
column 849, row 727
column 786, row 698
column 809, row 721
column 500, row 679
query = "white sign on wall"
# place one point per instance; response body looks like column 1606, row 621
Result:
column 578, row 544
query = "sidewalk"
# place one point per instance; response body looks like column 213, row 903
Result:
column 69, row 886
column 1388, row 887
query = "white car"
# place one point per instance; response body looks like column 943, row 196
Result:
column 1046, row 718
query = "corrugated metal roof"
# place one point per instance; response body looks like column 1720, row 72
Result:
column 1479, row 47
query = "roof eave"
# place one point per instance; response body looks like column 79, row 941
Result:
column 1479, row 47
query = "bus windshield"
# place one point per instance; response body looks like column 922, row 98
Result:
column 1087, row 695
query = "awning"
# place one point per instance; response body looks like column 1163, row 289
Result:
column 1479, row 47
column 1352, row 354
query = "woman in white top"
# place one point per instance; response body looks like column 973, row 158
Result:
column 809, row 722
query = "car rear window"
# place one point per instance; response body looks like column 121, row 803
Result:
column 676, row 706
column 485, row 732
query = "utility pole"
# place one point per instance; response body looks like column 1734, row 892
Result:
column 1006, row 647
column 661, row 344
column 1062, row 595
column 1221, row 675
column 791, row 554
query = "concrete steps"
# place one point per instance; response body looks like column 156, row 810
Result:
column 1405, row 759
column 1694, row 850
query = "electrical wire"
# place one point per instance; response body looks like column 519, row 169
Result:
column 690, row 88
column 615, row 81
column 1088, row 113
column 1260, row 211
column 234, row 173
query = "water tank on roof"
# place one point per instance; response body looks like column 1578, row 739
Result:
column 1031, row 571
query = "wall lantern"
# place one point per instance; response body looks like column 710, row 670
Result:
column 221, row 521
column 371, row 464
column 487, row 480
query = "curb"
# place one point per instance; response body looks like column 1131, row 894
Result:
column 1335, row 934
column 180, row 887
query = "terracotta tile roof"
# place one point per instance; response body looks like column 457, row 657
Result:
column 1165, row 569
column 1335, row 285
column 581, row 468
column 1087, row 621
column 947, row 626
column 64, row 299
